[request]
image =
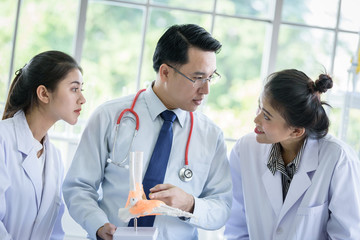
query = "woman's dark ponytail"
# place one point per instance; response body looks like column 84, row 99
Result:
column 48, row 69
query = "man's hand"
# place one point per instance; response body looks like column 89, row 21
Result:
column 173, row 197
column 106, row 232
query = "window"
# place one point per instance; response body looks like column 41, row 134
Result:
column 258, row 37
column 7, row 24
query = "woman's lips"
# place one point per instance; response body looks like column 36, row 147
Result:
column 257, row 131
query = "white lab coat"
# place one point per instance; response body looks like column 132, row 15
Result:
column 323, row 201
column 23, row 213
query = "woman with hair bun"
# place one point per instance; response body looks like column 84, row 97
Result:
column 292, row 180
column 45, row 90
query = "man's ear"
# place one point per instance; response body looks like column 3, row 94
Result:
column 164, row 72
column 43, row 94
column 297, row 132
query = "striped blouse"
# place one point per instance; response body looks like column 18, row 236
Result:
column 276, row 163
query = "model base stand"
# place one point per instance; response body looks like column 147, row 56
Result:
column 141, row 233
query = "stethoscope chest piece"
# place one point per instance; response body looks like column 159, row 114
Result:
column 185, row 174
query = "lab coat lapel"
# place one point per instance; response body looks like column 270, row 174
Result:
column 30, row 163
column 301, row 180
column 51, row 181
column 50, row 192
column 272, row 184
column 32, row 169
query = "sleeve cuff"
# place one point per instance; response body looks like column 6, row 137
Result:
column 199, row 208
column 94, row 224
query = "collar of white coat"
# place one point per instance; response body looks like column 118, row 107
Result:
column 309, row 160
column 310, row 157
column 24, row 134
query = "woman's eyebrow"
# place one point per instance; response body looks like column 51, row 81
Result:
column 267, row 112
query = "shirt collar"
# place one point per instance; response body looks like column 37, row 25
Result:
column 275, row 157
column 24, row 133
column 156, row 107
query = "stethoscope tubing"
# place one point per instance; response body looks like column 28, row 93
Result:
column 189, row 138
column 132, row 111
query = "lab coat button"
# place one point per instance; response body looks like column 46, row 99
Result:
column 279, row 231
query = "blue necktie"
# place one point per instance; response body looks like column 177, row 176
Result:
column 155, row 172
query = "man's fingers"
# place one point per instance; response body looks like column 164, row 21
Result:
column 161, row 187
column 160, row 194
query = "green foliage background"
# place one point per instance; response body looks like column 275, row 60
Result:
column 113, row 63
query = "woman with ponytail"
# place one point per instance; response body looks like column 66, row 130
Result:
column 45, row 90
column 291, row 179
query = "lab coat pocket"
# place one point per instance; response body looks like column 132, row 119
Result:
column 311, row 222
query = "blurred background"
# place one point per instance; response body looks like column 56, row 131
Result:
column 114, row 41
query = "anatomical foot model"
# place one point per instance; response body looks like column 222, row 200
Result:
column 137, row 205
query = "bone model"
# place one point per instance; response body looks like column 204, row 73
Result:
column 137, row 205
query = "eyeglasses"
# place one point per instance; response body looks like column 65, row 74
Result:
column 198, row 81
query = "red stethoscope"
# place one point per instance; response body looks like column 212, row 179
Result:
column 185, row 174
